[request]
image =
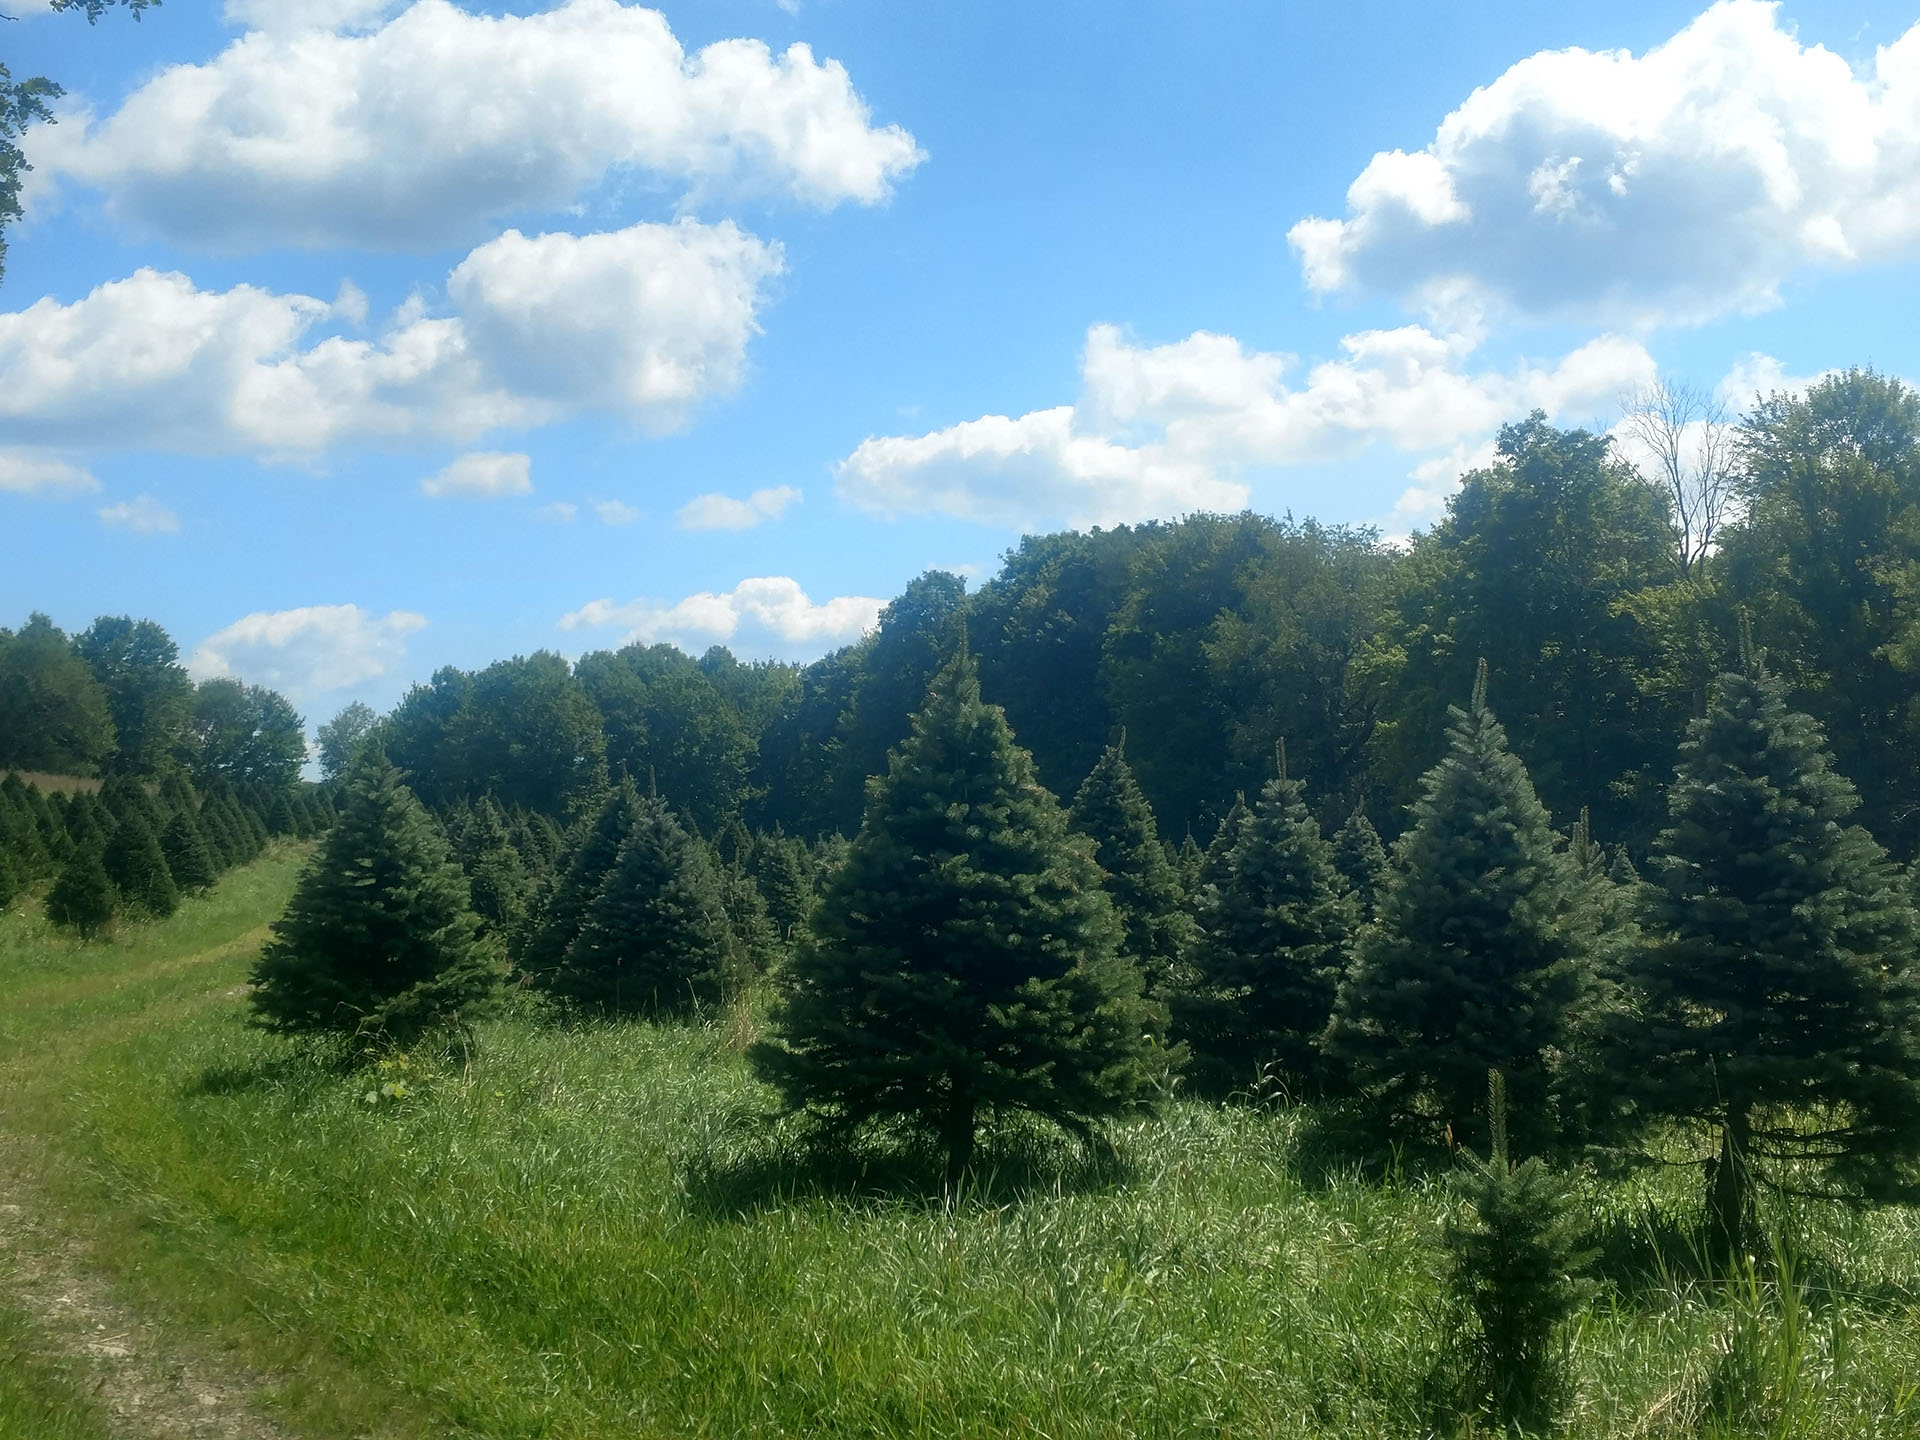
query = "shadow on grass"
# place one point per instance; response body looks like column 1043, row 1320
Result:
column 304, row 1065
column 757, row 1163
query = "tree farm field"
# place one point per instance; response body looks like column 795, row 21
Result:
column 595, row 1229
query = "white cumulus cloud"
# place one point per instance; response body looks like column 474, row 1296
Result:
column 725, row 512
column 25, row 473
column 481, row 475
column 769, row 612
column 143, row 515
column 1168, row 429
column 415, row 135
column 1668, row 187
column 643, row 323
column 307, row 651
column 614, row 512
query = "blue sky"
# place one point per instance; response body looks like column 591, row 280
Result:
column 348, row 340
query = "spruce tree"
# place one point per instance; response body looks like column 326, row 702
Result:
column 964, row 960
column 1478, row 954
column 49, row 822
column 87, row 822
column 138, row 867
column 1776, row 1005
column 495, row 876
column 752, row 943
column 1188, row 861
column 13, row 876
column 784, row 870
column 188, row 858
column 226, row 848
column 654, row 940
column 176, row 795
column 82, row 897
column 594, row 848
column 379, row 941
column 1111, row 809
column 1361, row 860
column 281, row 821
column 1278, row 925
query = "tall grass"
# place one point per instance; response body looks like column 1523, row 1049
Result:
column 586, row 1231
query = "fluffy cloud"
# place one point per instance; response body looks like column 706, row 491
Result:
column 770, row 612
column 481, row 475
column 415, row 135
column 143, row 515
column 642, row 323
column 307, row 651
column 723, row 512
column 614, row 512
column 1163, row 430
column 24, row 473
column 1668, row 187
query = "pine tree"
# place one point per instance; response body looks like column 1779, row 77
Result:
column 176, row 795
column 495, row 876
column 1361, row 860
column 379, row 941
column 1478, row 954
column 1278, row 925
column 281, row 821
column 188, row 858
column 594, row 848
column 86, row 822
column 82, row 897
column 964, row 960
column 784, row 870
column 226, row 848
column 1188, row 862
column 138, row 868
column 753, row 946
column 654, row 940
column 1111, row 809
column 1776, row 1004
column 20, row 838
column 50, row 823
column 123, row 795
column 13, row 876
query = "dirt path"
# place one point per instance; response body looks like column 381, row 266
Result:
column 151, row 1387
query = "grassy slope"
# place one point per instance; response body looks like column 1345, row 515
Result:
column 586, row 1232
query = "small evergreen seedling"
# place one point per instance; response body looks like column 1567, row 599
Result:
column 1515, row 1264
column 82, row 897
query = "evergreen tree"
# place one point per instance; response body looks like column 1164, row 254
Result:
column 226, row 848
column 964, row 959
column 1777, row 1003
column 1189, row 862
column 1361, row 860
column 1278, row 925
column 87, row 822
column 379, row 940
column 138, row 868
column 784, row 870
column 20, row 837
column 82, row 897
column 281, row 821
column 594, row 848
column 1217, row 862
column 1156, row 933
column 495, row 876
column 1478, row 954
column 176, row 794
column 123, row 795
column 654, row 939
column 752, row 943
column 188, row 858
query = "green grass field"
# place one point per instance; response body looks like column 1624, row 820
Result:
column 594, row 1232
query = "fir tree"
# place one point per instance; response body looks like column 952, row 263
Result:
column 138, row 868
column 1156, row 933
column 176, row 795
column 1188, row 861
column 226, row 848
column 49, row 822
column 188, row 858
column 20, row 837
column 281, row 822
column 1478, row 954
column 82, row 897
column 495, row 876
column 13, row 877
column 123, row 796
column 595, row 847
column 1362, row 861
column 752, row 943
column 964, row 959
column 784, row 870
column 1777, row 1002
column 654, row 939
column 1278, row 925
column 87, row 823
column 379, row 940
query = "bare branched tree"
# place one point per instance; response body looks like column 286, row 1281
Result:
column 1683, row 444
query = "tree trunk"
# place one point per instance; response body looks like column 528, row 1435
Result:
column 1730, row 1200
column 957, row 1131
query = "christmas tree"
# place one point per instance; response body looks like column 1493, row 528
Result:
column 1361, row 860
column 188, row 859
column 1278, row 924
column 1156, row 933
column 785, row 871
column 379, row 941
column 964, row 960
column 226, row 847
column 1478, row 954
column 137, row 867
column 594, row 847
column 752, row 943
column 1776, row 1005
column 495, row 875
column 655, row 938
column 82, row 897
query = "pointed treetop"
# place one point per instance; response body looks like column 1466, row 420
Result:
column 1280, row 758
column 1749, row 657
column 1479, row 689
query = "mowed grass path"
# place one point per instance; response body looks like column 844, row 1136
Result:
column 593, row 1231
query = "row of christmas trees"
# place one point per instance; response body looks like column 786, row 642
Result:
column 136, row 849
column 970, row 954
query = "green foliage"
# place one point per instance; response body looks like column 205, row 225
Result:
column 1515, row 1265
column 964, row 959
column 379, row 940
column 189, row 860
column 655, row 938
column 784, row 869
column 1277, row 927
column 496, row 876
column 1479, row 952
column 1362, row 861
column 244, row 733
column 592, row 851
column 137, row 867
column 1110, row 809
column 1777, row 1004
column 149, row 697
column 753, row 944
column 21, row 103
column 82, row 897
column 53, row 712
column 339, row 740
